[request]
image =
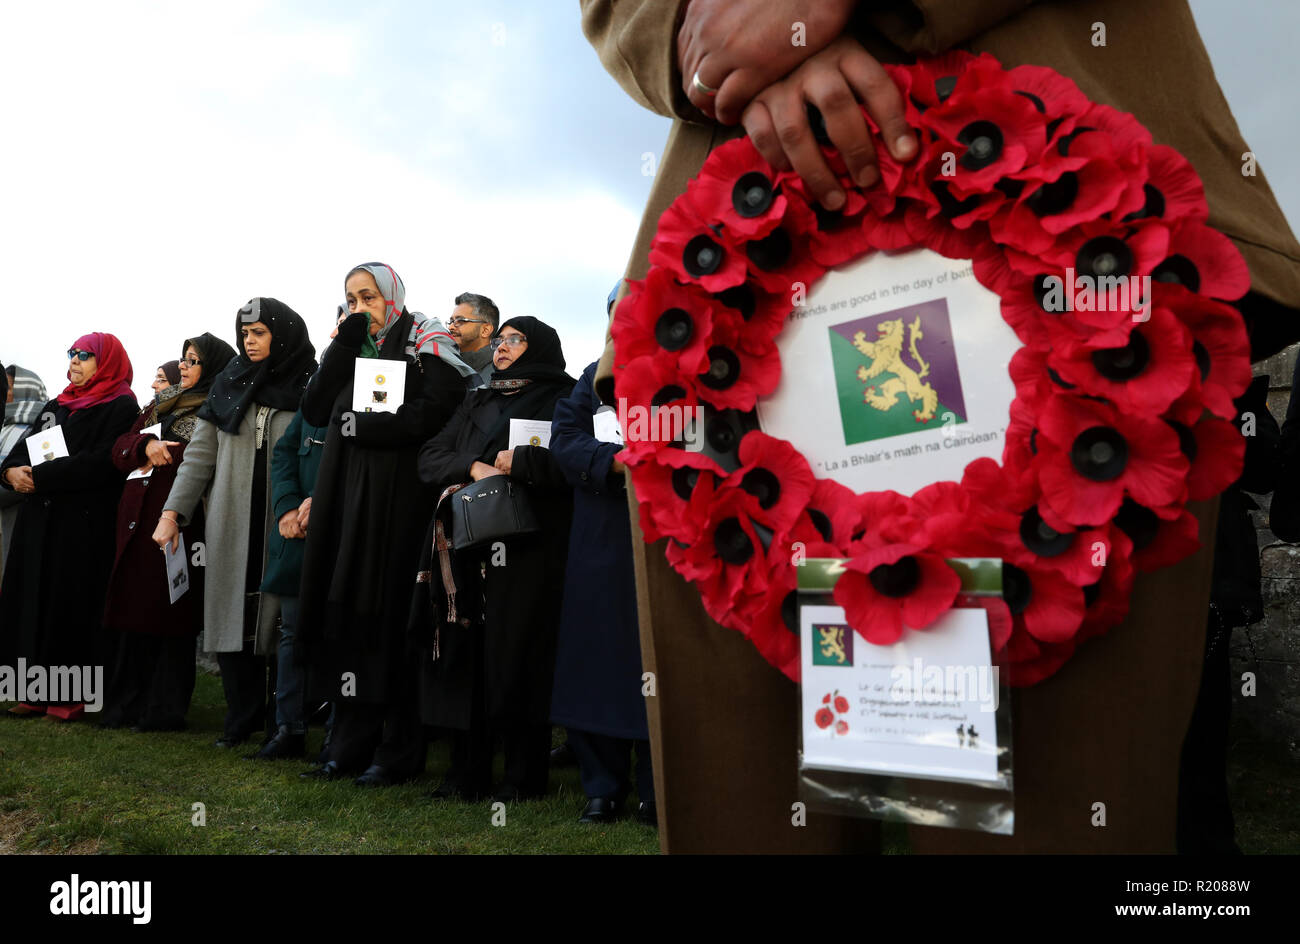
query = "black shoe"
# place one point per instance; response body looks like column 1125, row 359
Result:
column 376, row 776
column 647, row 814
column 285, row 745
column 326, row 771
column 563, row 756
column 230, row 740
column 454, row 790
column 599, row 810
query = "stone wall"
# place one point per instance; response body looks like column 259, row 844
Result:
column 1271, row 648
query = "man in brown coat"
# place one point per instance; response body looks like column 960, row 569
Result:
column 1107, row 728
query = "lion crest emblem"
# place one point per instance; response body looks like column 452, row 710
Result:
column 885, row 355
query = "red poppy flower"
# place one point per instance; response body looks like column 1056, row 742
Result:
column 1173, row 190
column 1217, row 450
column 931, row 80
column 737, row 375
column 696, row 252
column 1146, row 373
column 1054, row 95
column 1090, row 455
column 834, row 511
column 655, row 404
column 988, row 130
column 895, row 586
column 1098, row 250
column 1219, row 344
column 888, row 231
column 1205, row 261
column 664, row 493
column 1030, row 661
column 739, row 189
column 726, row 557
column 1157, row 537
column 1107, row 600
column 660, row 317
column 1043, row 601
column 777, row 475
column 780, row 260
column 763, row 313
column 934, row 233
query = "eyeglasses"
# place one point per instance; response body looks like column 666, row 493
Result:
column 458, row 321
column 82, row 356
column 192, row 361
column 515, row 340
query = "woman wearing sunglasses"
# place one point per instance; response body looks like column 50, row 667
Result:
column 62, row 552
column 228, row 461
column 154, row 676
column 367, row 519
column 496, row 677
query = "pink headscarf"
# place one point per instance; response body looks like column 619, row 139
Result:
column 112, row 373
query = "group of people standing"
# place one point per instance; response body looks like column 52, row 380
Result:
column 308, row 531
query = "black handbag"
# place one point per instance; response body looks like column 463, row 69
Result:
column 489, row 510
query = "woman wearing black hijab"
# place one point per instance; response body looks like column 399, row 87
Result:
column 154, row 678
column 248, row 409
column 496, row 677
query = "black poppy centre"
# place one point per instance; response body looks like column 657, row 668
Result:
column 1099, row 454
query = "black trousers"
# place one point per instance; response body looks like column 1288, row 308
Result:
column 1205, row 823
column 153, row 680
column 388, row 735
column 606, row 765
column 243, row 678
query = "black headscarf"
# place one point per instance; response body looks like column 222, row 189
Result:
column 172, row 371
column 215, row 355
column 541, row 362
column 277, row 381
column 529, row 388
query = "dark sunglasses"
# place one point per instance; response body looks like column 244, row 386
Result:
column 82, row 356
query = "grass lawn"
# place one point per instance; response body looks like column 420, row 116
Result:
column 75, row 788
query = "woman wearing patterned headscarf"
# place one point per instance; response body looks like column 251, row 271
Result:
column 368, row 517
column 154, row 677
column 248, row 408
column 495, row 678
column 62, row 552
column 22, row 408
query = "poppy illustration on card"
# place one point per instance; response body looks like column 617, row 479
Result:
column 832, row 644
column 896, row 372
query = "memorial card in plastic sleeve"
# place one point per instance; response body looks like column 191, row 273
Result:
column 894, row 373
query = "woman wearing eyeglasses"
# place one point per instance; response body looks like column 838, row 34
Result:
column 496, row 677
column 228, row 460
column 368, row 517
column 154, row 677
column 62, row 552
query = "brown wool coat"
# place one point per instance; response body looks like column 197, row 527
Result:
column 1109, row 726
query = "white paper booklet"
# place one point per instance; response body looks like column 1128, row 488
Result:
column 46, row 444
column 178, row 571
column 530, row 433
column 894, row 373
column 378, row 385
column 923, row 707
column 154, row 430
column 605, row 426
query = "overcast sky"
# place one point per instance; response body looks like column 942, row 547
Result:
column 164, row 162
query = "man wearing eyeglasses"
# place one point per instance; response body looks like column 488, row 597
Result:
column 473, row 322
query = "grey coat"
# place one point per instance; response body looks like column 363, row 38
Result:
column 218, row 468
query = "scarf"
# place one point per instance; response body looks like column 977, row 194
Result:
column 112, row 373
column 29, row 398
column 172, row 371
column 177, row 408
column 425, row 333
column 277, row 381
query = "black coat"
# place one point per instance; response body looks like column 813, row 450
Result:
column 368, row 517
column 598, row 658
column 52, row 601
column 512, row 601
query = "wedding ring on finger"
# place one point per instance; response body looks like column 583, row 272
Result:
column 701, row 87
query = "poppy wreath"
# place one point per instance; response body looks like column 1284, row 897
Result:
column 1123, row 412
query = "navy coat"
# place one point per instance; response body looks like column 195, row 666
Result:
column 598, row 660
